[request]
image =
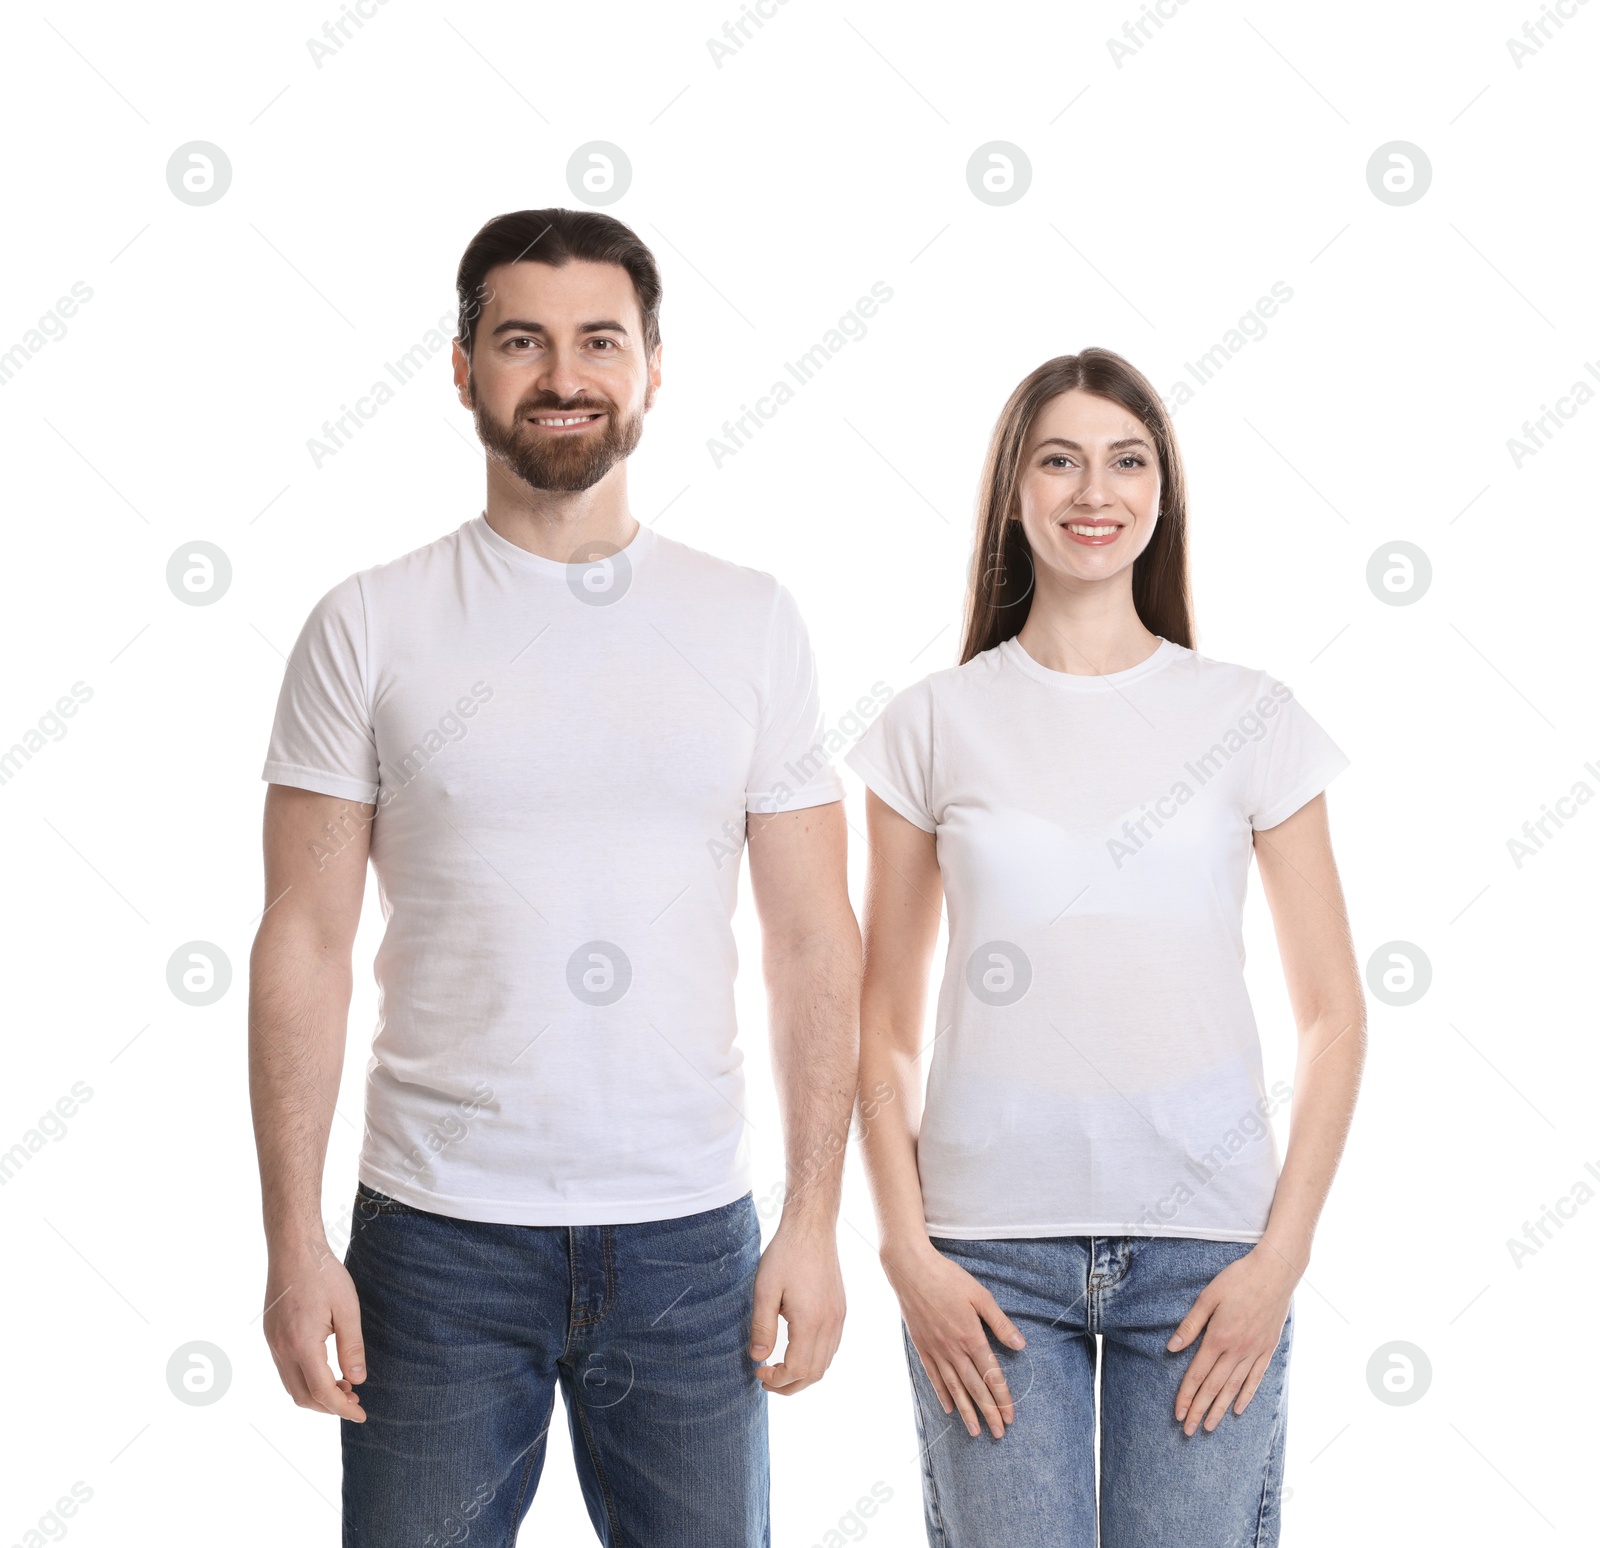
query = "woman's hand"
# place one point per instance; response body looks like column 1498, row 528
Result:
column 945, row 1310
column 1242, row 1312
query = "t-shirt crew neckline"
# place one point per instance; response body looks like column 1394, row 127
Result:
column 634, row 550
column 1013, row 651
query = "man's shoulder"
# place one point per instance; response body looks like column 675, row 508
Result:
column 703, row 577
column 429, row 558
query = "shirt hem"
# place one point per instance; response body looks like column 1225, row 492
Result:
column 763, row 804
column 1283, row 810
column 320, row 781
column 879, row 784
column 554, row 1213
column 1088, row 1228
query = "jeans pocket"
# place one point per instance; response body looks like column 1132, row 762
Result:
column 370, row 1203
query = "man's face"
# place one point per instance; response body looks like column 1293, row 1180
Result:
column 559, row 381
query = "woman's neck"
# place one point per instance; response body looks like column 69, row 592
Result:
column 1066, row 635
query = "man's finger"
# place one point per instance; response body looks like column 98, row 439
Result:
column 764, row 1319
column 324, row 1390
column 293, row 1382
column 800, row 1362
column 347, row 1343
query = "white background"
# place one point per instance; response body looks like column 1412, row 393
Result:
column 829, row 152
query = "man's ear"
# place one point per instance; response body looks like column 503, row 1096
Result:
column 461, row 368
column 654, row 379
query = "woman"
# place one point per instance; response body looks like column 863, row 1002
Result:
column 1086, row 790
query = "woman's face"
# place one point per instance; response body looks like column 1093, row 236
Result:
column 1090, row 488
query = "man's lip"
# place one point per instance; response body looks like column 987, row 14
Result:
column 583, row 417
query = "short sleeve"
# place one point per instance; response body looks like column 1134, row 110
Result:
column 1295, row 760
column 322, row 737
column 790, row 767
column 895, row 756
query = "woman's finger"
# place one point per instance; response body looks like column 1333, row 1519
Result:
column 1217, row 1373
column 982, row 1397
column 1200, row 1367
column 930, row 1368
column 1257, row 1371
column 1004, row 1328
column 1226, row 1394
column 1002, row 1392
column 963, row 1399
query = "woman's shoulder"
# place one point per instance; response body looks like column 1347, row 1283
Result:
column 1225, row 679
column 948, row 684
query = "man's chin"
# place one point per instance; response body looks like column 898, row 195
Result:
column 550, row 476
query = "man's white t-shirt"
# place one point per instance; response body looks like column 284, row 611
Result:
column 1096, row 1068
column 562, row 758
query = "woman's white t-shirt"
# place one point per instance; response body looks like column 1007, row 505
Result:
column 1096, row 1068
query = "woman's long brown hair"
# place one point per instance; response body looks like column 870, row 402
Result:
column 1000, row 587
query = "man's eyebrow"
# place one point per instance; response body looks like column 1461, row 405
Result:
column 1131, row 440
column 522, row 325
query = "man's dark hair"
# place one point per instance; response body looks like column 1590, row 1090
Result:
column 555, row 237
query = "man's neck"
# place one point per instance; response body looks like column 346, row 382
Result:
column 567, row 526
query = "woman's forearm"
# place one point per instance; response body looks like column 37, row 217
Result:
column 1332, row 1050
column 891, row 1109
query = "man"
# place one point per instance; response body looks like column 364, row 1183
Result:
column 552, row 730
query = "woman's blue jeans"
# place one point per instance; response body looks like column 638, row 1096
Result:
column 1158, row 1487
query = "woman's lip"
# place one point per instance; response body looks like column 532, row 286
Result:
column 1093, row 542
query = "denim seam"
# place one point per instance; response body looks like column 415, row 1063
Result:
column 1272, row 1452
column 608, row 1265
column 1266, row 1481
column 522, row 1486
column 572, row 1294
column 599, row 1470
column 929, row 1479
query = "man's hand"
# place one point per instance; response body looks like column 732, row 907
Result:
column 798, row 1279
column 310, row 1296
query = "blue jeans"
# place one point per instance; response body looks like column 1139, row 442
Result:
column 1159, row 1488
column 469, row 1327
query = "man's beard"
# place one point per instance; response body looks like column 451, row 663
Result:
column 560, row 463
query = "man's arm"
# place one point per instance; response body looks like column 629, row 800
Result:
column 299, row 1002
column 811, row 953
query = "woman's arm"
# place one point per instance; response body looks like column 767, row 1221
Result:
column 1243, row 1309
column 1301, row 883
column 944, row 1306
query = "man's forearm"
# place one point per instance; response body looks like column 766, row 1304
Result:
column 299, row 1004
column 814, row 991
